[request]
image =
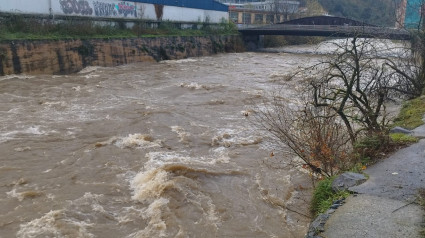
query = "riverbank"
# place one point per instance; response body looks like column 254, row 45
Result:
column 389, row 203
column 69, row 56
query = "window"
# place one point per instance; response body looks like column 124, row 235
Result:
column 270, row 18
column 246, row 18
column 234, row 16
column 258, row 18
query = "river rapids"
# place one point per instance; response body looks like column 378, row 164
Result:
column 150, row 150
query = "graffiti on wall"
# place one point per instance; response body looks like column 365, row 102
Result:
column 81, row 7
column 125, row 8
column 102, row 9
column 99, row 8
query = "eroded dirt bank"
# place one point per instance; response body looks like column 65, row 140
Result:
column 69, row 56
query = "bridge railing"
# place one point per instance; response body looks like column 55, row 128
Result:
column 329, row 30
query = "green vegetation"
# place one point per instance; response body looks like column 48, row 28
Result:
column 411, row 113
column 402, row 139
column 17, row 27
column 379, row 12
column 323, row 196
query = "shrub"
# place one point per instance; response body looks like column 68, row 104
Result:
column 313, row 134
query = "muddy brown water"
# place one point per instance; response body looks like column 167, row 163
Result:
column 149, row 150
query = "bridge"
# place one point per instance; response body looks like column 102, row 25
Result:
column 324, row 26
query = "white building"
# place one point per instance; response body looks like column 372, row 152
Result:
column 154, row 10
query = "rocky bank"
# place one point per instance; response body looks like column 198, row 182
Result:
column 69, row 56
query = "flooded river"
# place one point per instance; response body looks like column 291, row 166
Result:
column 149, row 150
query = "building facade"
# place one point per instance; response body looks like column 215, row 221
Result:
column 247, row 12
column 154, row 10
column 410, row 14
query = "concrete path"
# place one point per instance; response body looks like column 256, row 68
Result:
column 384, row 206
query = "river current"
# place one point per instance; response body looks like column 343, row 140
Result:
column 150, row 150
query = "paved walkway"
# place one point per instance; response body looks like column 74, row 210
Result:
column 384, row 206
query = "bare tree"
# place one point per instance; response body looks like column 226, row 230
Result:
column 314, row 8
column 409, row 67
column 282, row 7
column 312, row 134
column 355, row 85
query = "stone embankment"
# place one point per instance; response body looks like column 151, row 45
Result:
column 69, row 56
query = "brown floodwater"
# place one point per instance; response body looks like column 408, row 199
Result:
column 149, row 150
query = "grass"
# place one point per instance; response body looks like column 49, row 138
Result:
column 411, row 114
column 402, row 139
column 324, row 196
column 19, row 28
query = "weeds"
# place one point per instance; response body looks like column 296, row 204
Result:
column 324, row 196
column 411, row 113
column 402, row 139
column 17, row 27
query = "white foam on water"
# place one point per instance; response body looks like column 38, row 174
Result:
column 156, row 226
column 129, row 215
column 159, row 159
column 22, row 149
column 60, row 103
column 135, row 141
column 280, row 76
column 89, row 69
column 221, row 155
column 255, row 92
column 15, row 76
column 90, row 76
column 180, row 61
column 55, row 224
column 24, row 194
column 166, row 171
column 194, row 85
column 150, row 185
column 181, row 133
column 233, row 137
column 77, row 88
column 35, row 130
column 29, row 131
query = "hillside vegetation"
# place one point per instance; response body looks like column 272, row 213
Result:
column 378, row 12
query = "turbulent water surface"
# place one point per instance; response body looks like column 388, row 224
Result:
column 149, row 150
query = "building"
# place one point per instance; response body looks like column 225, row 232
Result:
column 410, row 14
column 248, row 12
column 153, row 10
